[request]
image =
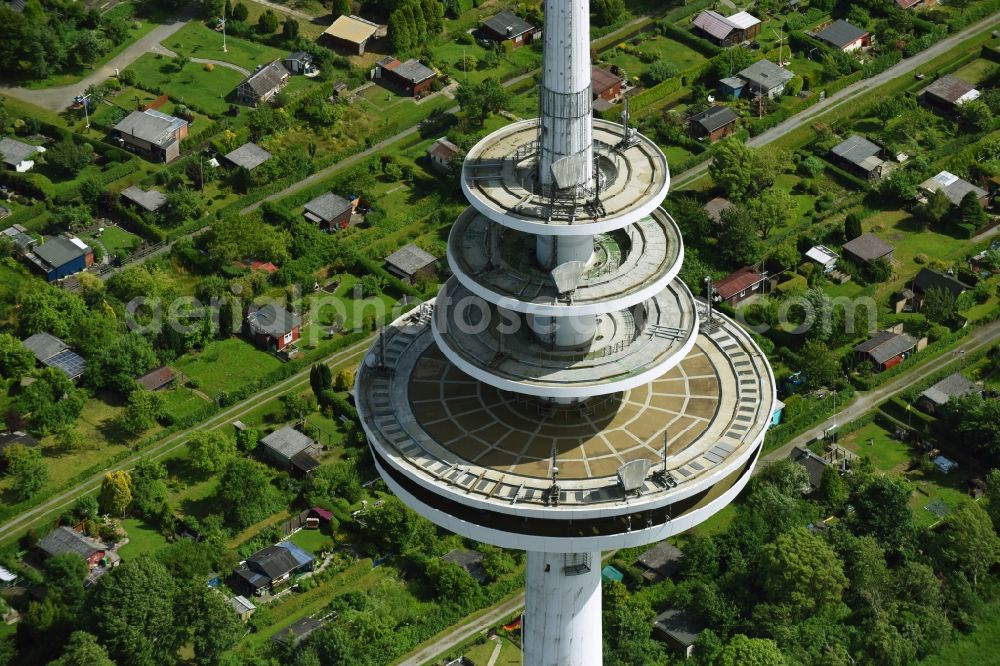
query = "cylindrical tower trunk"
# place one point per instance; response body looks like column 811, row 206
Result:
column 565, row 95
column 562, row 609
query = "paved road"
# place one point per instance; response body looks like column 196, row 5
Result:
column 981, row 337
column 161, row 49
column 58, row 98
column 848, row 94
column 461, row 632
column 66, row 498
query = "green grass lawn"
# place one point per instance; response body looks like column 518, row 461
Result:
column 198, row 41
column 949, row 488
column 873, row 441
column 193, row 85
column 664, row 49
column 180, row 401
column 519, row 61
column 143, row 539
column 225, row 365
column 311, row 541
column 976, row 71
column 115, row 239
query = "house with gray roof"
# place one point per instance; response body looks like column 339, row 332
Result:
column 243, row 607
column 716, row 122
column 59, row 257
column 948, row 93
column 271, row 567
column 886, row 349
column 249, row 156
column 860, row 156
column 329, row 211
column 291, row 450
column 508, row 26
column 726, row 30
column 661, row 561
column 766, row 78
column 411, row 77
column 52, row 352
column 470, row 560
column 297, row 632
column 17, row 155
column 954, row 188
column 18, row 234
column 261, row 86
column 678, row 629
column 149, row 200
column 938, row 395
column 867, row 248
column 843, row 36
column 442, row 153
column 299, row 62
column 410, row 262
column 272, row 327
column 154, row 135
column 63, row 540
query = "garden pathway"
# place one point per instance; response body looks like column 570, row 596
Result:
column 161, row 49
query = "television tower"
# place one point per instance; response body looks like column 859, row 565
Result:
column 561, row 395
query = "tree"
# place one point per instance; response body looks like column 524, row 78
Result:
column 660, row 71
column 320, row 379
column 969, row 542
column 741, row 244
column 811, row 166
column 803, row 572
column 451, row 583
column 769, row 210
column 881, row 509
column 993, row 497
column 182, row 204
column 970, row 212
column 938, row 304
column 82, row 649
column 51, row 400
column 68, row 158
column 210, row 450
column 142, row 409
column 975, row 116
column 345, row 380
column 393, row 526
column 149, row 490
column 833, row 491
column 607, row 12
column 116, row 493
column 247, row 439
column 16, row 360
column 743, row 651
column 481, row 99
column 113, row 363
column 290, row 28
column 245, row 492
column 209, row 620
column 267, row 24
column 819, row 364
column 64, row 578
column 27, row 469
column 340, row 8
column 742, row 171
column 240, row 12
column 852, row 226
column 729, row 62
column 132, row 611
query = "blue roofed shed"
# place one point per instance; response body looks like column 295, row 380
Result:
column 609, row 573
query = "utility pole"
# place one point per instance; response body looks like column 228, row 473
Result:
column 223, row 21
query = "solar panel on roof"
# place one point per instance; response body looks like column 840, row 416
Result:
column 69, row 362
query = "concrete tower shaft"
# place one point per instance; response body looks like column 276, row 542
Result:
column 565, row 137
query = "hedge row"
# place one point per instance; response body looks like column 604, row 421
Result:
column 972, row 14
column 654, row 94
column 130, row 220
column 818, row 412
column 706, row 48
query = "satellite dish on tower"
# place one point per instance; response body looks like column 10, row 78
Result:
column 633, row 474
column 567, row 276
column 569, row 171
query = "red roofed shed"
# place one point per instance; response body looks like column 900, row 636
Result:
column 739, row 285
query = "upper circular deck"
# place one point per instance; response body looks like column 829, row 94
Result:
column 460, row 446
column 631, row 265
column 499, row 179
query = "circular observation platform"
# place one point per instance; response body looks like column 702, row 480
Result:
column 629, row 348
column 630, row 265
column 499, row 179
column 478, row 461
